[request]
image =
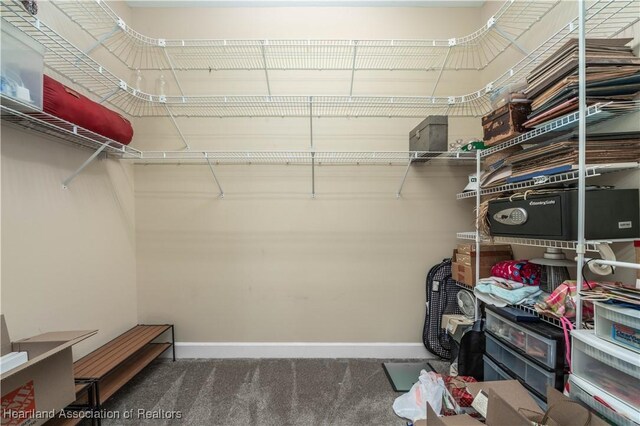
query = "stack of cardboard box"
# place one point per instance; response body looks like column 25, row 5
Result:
column 463, row 268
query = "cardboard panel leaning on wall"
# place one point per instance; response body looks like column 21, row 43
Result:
column 67, row 255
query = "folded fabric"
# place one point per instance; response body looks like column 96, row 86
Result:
column 498, row 296
column 521, row 271
column 561, row 303
column 502, row 282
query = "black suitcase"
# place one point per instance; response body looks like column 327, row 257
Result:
column 441, row 299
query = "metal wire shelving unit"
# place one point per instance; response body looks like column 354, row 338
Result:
column 604, row 19
column 473, row 51
column 544, row 180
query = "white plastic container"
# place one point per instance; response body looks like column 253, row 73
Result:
column 535, row 346
column 602, row 403
column 610, row 367
column 22, row 67
column 618, row 325
column 527, row 371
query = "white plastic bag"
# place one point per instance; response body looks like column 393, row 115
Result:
column 413, row 404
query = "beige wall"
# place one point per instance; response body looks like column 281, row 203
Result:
column 68, row 256
column 267, row 262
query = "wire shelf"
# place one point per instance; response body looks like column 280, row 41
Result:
column 594, row 114
column 546, row 318
column 25, row 116
column 534, row 242
column 473, row 51
column 301, row 157
column 604, row 19
column 538, row 181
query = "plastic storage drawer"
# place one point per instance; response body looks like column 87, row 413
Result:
column 612, row 368
column 611, row 409
column 532, row 374
column 493, row 372
column 618, row 325
column 531, row 344
column 22, row 68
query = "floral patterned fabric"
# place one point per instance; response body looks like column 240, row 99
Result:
column 521, row 271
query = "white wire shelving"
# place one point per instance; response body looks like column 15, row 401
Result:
column 594, row 114
column 544, row 180
column 301, row 157
column 473, row 51
column 25, row 116
column 537, row 242
column 604, row 19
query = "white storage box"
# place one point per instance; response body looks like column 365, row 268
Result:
column 535, row 346
column 618, row 325
column 612, row 368
column 22, row 67
column 531, row 374
column 602, row 403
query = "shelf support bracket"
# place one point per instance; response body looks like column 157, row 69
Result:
column 173, row 71
column 311, row 121
column 175, row 123
column 101, row 40
column 215, row 178
column 511, row 40
column 444, row 64
column 313, row 175
column 404, row 178
column 353, row 66
column 264, row 65
column 109, row 95
column 67, row 181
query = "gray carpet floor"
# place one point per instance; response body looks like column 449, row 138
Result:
column 261, row 392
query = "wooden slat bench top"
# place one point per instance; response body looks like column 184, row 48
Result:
column 103, row 360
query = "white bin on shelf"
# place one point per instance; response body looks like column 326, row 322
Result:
column 22, row 67
column 618, row 325
column 602, row 403
column 612, row 368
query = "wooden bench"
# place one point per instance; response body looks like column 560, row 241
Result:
column 112, row 365
column 104, row 371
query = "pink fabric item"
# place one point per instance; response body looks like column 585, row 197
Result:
column 521, row 271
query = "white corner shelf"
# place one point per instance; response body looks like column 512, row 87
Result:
column 543, row 180
column 604, row 19
column 473, row 51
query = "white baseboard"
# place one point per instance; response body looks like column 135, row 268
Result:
column 300, row 350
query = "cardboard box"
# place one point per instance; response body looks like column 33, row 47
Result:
column 489, row 258
column 44, row 384
column 471, row 247
column 509, row 403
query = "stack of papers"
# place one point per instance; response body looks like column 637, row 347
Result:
column 613, row 74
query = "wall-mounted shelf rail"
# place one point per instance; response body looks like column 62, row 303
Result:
column 571, row 176
column 604, row 19
column 473, row 51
